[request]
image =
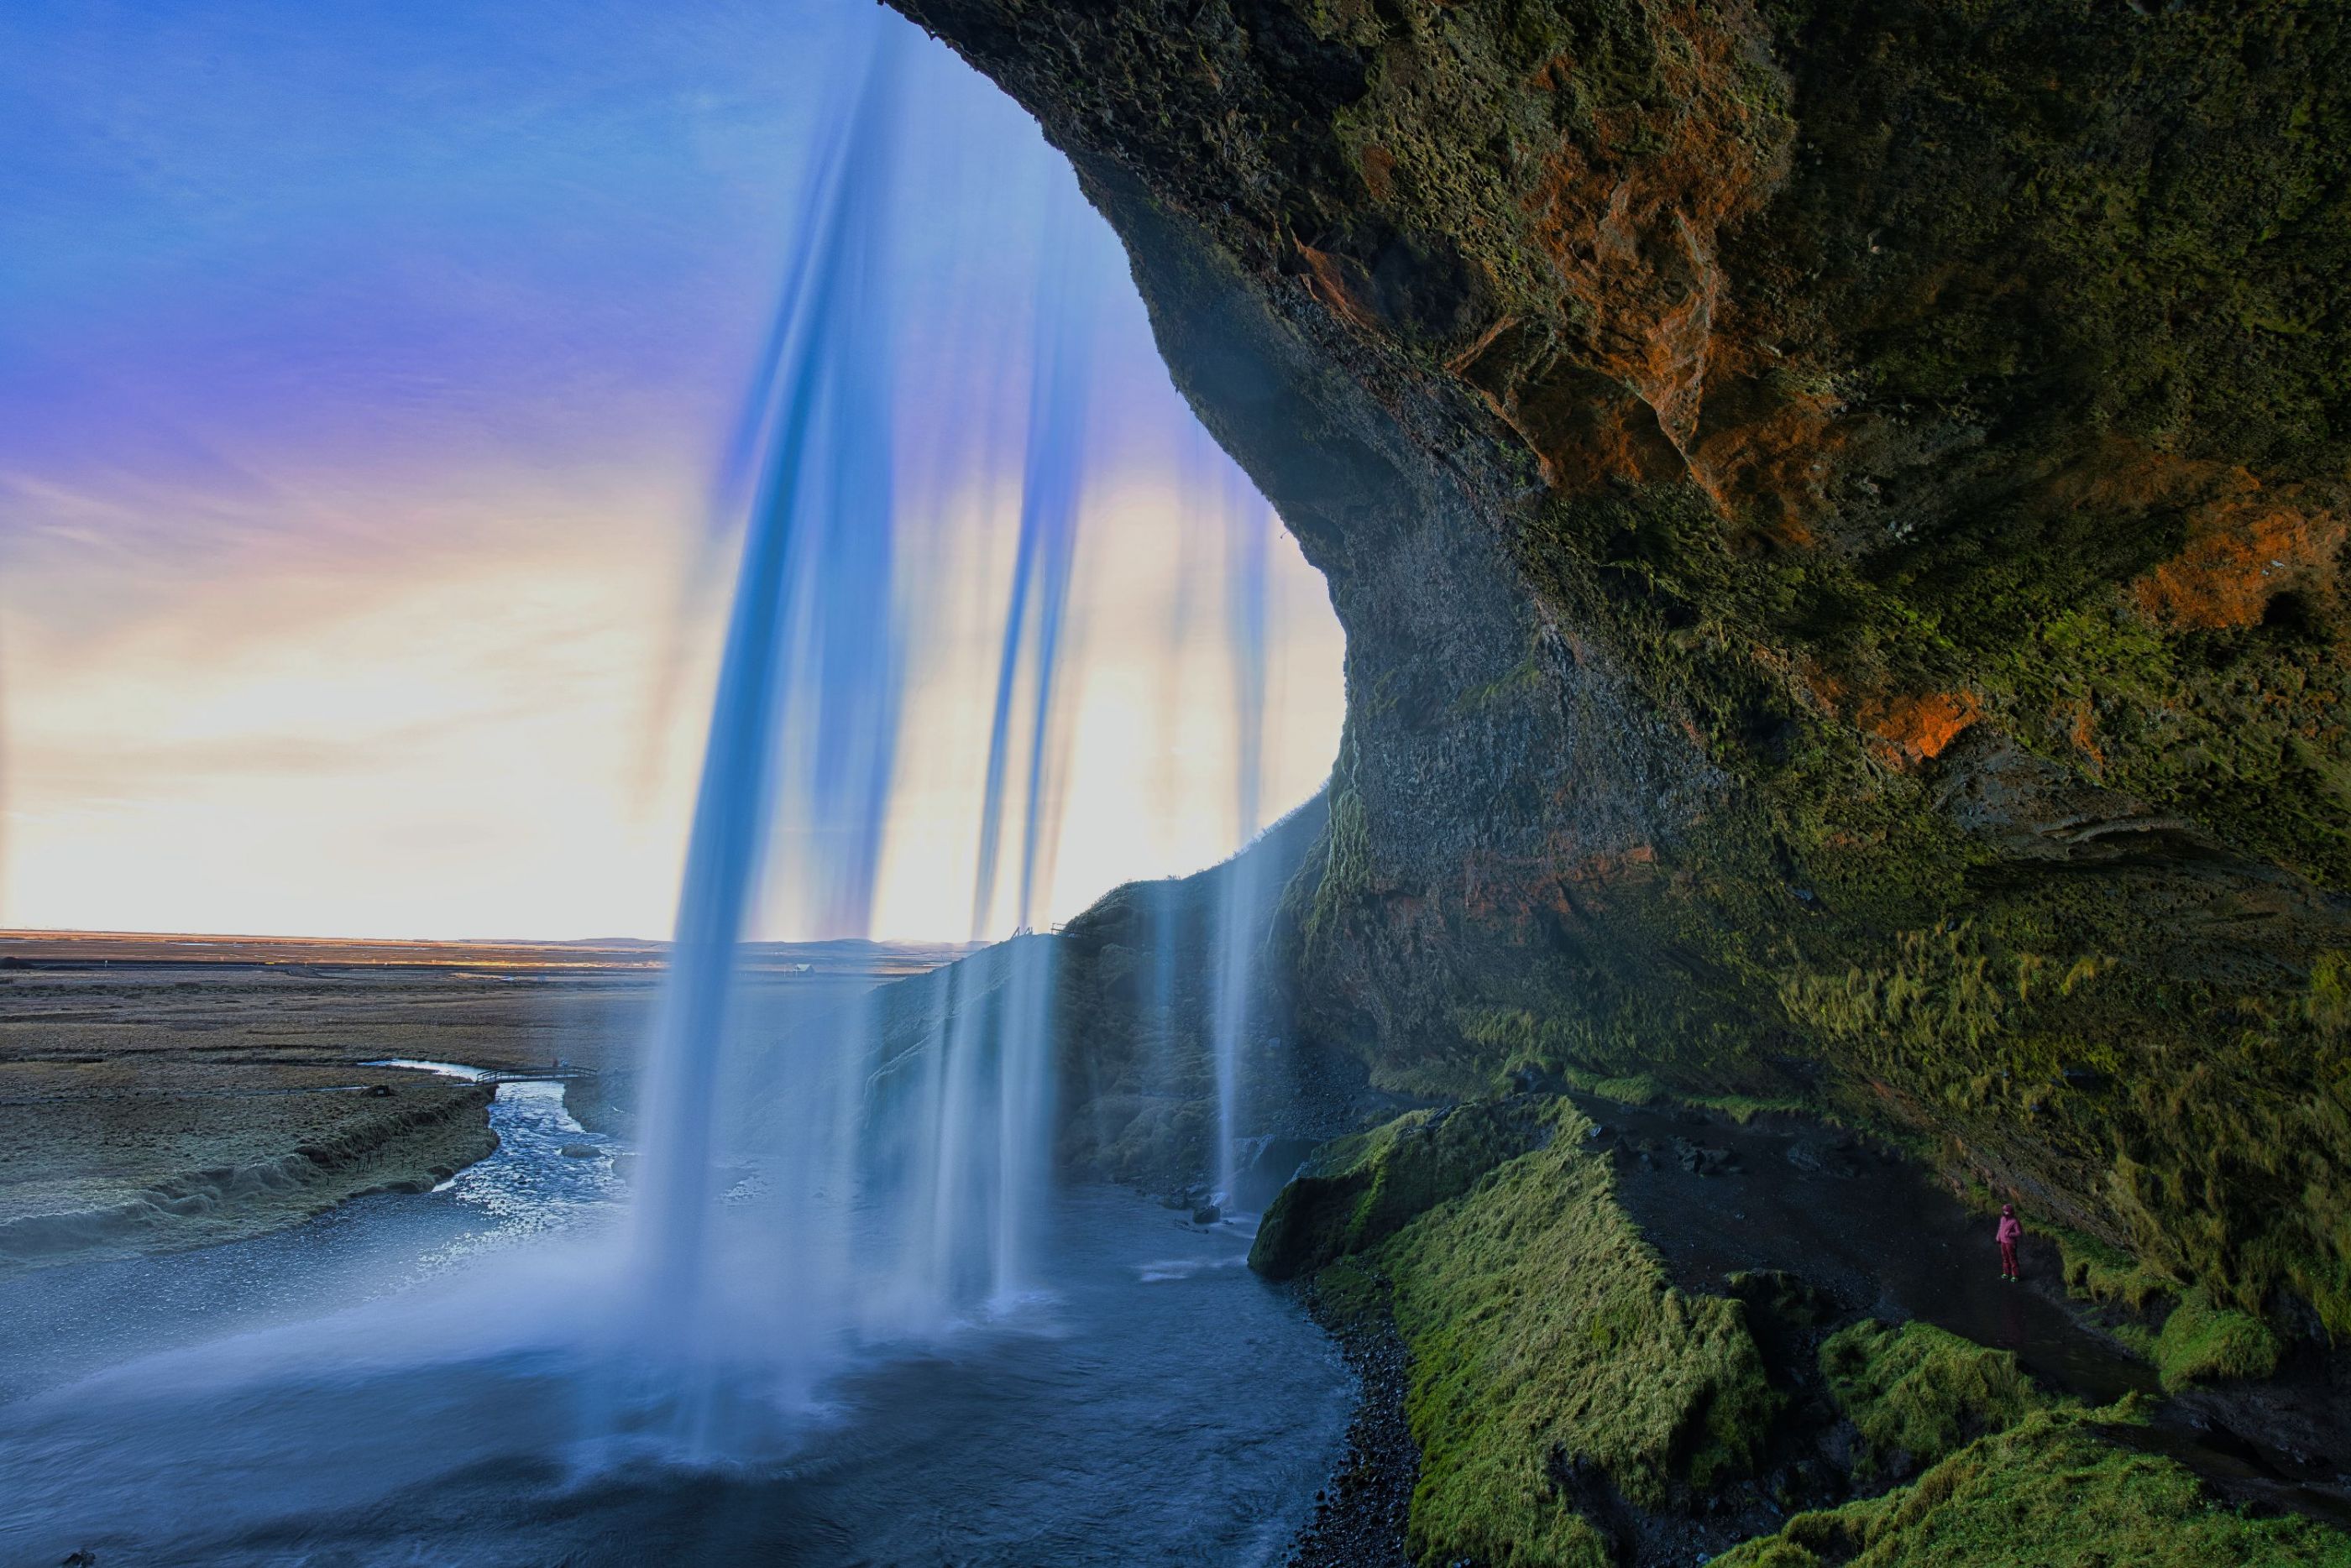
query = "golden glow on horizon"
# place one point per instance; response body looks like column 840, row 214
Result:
column 475, row 736
column 444, row 743
column 1149, row 790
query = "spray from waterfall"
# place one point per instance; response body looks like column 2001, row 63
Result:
column 803, row 1191
column 1247, row 532
column 819, row 500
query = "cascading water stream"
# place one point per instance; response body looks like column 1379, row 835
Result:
column 1246, row 536
column 800, row 1192
column 1051, row 481
column 824, row 452
column 806, row 1192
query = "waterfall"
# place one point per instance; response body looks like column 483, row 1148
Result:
column 797, row 664
column 1245, row 536
column 810, row 1191
column 1033, row 621
column 800, row 1193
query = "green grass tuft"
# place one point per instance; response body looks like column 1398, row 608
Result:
column 2202, row 1340
column 1625, row 1089
column 1917, row 1392
column 1745, row 1108
column 2095, row 1271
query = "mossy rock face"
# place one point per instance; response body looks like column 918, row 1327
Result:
column 1836, row 507
column 1129, row 995
column 2205, row 1343
column 2047, row 1491
column 1552, row 1363
column 1916, row 1393
column 1357, row 1191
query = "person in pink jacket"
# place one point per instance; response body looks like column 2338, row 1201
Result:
column 2009, row 1234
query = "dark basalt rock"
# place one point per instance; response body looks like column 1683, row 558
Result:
column 1702, row 1161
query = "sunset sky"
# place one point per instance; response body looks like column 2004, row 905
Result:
column 365, row 374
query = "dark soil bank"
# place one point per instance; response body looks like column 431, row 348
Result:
column 1359, row 1518
column 1855, row 1221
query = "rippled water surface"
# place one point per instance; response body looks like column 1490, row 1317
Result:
column 379, row 1387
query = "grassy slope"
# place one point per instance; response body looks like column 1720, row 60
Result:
column 1543, row 1336
column 1551, row 1358
column 1358, row 1191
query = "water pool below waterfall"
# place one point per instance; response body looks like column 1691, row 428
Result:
column 337, row 1394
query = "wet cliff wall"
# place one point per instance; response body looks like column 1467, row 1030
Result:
column 1129, row 992
column 1837, row 509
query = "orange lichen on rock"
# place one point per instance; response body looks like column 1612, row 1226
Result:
column 2084, row 737
column 1627, row 216
column 1917, row 729
column 1819, row 687
column 1763, row 454
column 1570, row 881
column 1582, row 426
column 2239, row 555
column 2119, row 477
column 1327, row 279
column 1610, row 866
column 2247, row 542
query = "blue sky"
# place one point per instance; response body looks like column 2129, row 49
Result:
column 359, row 237
column 365, row 372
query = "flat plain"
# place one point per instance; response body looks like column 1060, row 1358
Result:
column 161, row 1091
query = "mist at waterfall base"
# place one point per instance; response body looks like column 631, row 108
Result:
column 848, row 1315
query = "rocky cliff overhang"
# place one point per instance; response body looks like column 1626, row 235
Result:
column 1837, row 510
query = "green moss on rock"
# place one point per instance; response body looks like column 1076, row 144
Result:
column 2202, row 1342
column 1917, row 1392
column 1546, row 1343
column 1357, row 1191
column 2050, row 1493
column 2095, row 1271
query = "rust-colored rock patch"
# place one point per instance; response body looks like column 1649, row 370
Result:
column 1918, row 729
column 2241, row 555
